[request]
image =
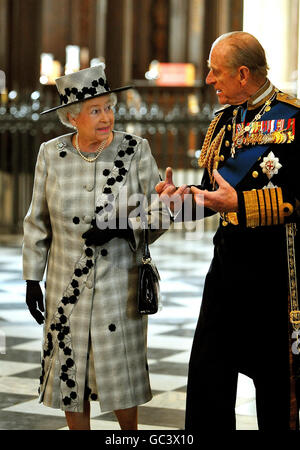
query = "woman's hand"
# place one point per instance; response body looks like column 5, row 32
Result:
column 34, row 300
column 172, row 196
column 224, row 199
column 95, row 236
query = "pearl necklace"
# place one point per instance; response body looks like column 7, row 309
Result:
column 98, row 151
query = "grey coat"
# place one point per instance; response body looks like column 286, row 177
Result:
column 95, row 342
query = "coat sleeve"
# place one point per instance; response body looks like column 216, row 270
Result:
column 37, row 226
column 154, row 211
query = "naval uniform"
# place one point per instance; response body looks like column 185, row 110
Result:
column 250, row 289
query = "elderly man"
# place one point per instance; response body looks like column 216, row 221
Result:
column 249, row 319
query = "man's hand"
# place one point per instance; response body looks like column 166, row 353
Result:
column 169, row 193
column 224, row 199
column 34, row 300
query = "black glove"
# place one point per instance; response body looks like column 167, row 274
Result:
column 95, row 236
column 34, row 300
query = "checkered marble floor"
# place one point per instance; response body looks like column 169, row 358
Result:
column 183, row 262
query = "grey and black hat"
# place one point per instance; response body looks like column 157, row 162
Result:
column 83, row 85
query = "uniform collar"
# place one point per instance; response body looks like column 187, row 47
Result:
column 256, row 100
column 261, row 96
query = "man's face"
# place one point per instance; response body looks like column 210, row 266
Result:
column 226, row 81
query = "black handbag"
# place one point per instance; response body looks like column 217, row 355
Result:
column 148, row 288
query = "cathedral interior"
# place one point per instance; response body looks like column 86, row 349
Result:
column 41, row 40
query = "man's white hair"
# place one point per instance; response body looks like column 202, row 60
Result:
column 247, row 51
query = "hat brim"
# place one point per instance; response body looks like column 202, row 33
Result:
column 88, row 98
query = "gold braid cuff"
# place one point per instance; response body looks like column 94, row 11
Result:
column 265, row 207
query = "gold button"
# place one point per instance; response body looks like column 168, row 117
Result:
column 224, row 223
column 227, row 143
column 255, row 174
column 221, row 158
column 229, row 127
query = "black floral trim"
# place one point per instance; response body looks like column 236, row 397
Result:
column 111, row 181
column 117, row 174
column 90, row 91
column 89, row 395
column 60, row 333
column 122, row 171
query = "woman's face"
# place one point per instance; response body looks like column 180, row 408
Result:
column 95, row 121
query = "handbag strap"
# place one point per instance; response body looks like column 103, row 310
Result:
column 146, row 250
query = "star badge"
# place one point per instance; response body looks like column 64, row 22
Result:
column 270, row 165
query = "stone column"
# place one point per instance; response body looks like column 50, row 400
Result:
column 69, row 22
column 57, row 29
column 4, row 55
column 178, row 30
column 100, row 32
column 118, row 48
column 223, row 14
column 230, row 16
column 143, row 31
column 196, row 30
column 25, row 44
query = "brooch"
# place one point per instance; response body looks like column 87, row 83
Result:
column 60, row 146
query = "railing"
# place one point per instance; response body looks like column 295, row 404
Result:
column 174, row 122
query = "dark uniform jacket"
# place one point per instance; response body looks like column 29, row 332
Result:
column 244, row 324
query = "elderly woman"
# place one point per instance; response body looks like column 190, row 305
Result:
column 94, row 345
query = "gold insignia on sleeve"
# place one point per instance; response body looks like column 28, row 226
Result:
column 265, row 207
column 229, row 217
column 252, row 209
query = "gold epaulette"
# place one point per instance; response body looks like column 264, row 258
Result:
column 221, row 110
column 286, row 98
column 265, row 207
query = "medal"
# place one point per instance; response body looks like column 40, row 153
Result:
column 239, row 138
column 270, row 165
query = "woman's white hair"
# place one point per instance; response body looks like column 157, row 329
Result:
column 75, row 109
